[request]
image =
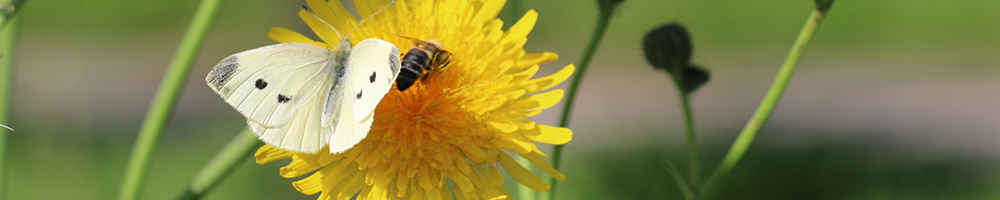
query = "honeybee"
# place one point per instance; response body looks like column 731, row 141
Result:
column 422, row 59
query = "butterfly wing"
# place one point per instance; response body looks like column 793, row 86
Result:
column 372, row 67
column 376, row 62
column 281, row 90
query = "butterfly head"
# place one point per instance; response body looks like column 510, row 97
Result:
column 343, row 48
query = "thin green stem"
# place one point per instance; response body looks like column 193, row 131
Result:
column 694, row 164
column 510, row 13
column 595, row 39
column 451, row 188
column 166, row 99
column 224, row 163
column 764, row 110
column 692, row 142
column 8, row 40
column 678, row 179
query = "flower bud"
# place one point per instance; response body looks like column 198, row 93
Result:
column 668, row 47
column 693, row 77
column 609, row 5
column 823, row 5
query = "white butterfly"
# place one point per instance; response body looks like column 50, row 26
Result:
column 301, row 97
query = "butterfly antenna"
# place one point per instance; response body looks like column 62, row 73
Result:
column 5, row 126
column 324, row 21
column 369, row 17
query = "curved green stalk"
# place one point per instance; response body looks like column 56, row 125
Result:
column 692, row 142
column 595, row 39
column 8, row 39
column 764, row 110
column 224, row 163
column 166, row 99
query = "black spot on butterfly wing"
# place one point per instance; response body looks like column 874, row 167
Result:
column 260, row 84
column 359, row 95
column 372, row 78
column 283, row 99
column 223, row 72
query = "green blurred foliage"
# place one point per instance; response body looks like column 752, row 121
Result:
column 822, row 172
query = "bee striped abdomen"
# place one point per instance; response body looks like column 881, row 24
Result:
column 414, row 64
column 424, row 59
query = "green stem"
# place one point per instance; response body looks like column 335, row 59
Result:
column 764, row 110
column 8, row 39
column 692, row 141
column 510, row 13
column 166, row 99
column 224, row 163
column 595, row 39
column 678, row 179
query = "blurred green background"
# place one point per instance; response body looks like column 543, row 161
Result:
column 893, row 99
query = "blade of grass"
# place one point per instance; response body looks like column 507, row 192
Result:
column 166, row 99
column 766, row 107
column 240, row 148
column 8, row 40
column 604, row 18
column 678, row 179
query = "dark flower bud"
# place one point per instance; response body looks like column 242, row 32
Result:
column 693, row 77
column 668, row 47
column 823, row 5
column 609, row 5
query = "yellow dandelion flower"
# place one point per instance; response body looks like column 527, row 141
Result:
column 452, row 127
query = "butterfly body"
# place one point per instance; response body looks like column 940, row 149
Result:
column 302, row 97
column 420, row 60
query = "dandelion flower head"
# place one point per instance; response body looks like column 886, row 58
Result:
column 456, row 126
